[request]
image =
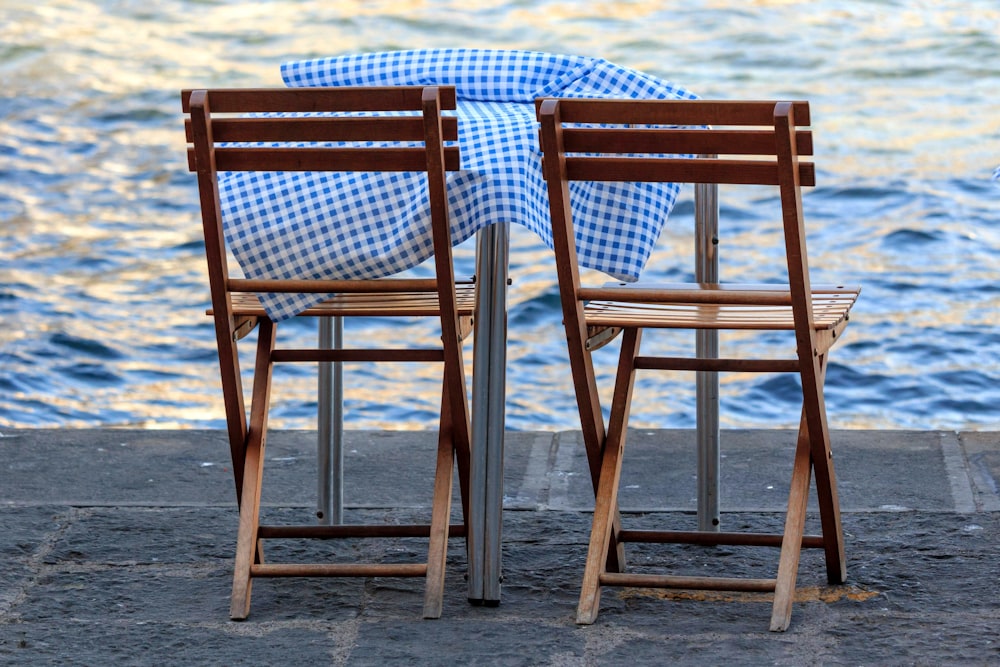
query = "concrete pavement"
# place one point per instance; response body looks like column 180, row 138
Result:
column 117, row 550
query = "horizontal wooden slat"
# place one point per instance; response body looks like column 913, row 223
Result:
column 675, row 112
column 324, row 129
column 670, row 316
column 357, row 355
column 709, row 293
column 382, row 287
column 379, row 287
column 353, row 530
column 716, row 288
column 344, row 99
column 679, row 141
column 718, row 365
column 339, row 570
column 680, row 170
column 687, row 583
column 710, row 538
column 325, row 159
column 402, row 304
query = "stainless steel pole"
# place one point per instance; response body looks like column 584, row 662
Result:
column 706, row 198
column 330, row 418
column 488, row 414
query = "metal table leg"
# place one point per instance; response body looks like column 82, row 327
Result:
column 330, row 418
column 706, row 198
column 488, row 403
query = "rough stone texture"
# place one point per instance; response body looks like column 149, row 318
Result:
column 117, row 549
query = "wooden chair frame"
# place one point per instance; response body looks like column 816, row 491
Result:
column 235, row 129
column 750, row 143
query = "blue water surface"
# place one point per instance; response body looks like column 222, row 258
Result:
column 102, row 278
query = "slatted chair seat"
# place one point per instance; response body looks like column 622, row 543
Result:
column 700, row 142
column 348, row 129
column 402, row 304
column 720, row 307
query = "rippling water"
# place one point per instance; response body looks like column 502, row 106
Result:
column 102, row 286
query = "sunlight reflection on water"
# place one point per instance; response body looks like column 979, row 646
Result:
column 102, row 283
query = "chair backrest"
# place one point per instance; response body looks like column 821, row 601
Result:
column 609, row 138
column 397, row 128
column 680, row 141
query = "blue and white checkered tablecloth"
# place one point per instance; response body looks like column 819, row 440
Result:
column 313, row 225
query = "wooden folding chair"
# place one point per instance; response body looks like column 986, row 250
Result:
column 259, row 130
column 748, row 143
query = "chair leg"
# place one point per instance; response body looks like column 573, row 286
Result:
column 247, row 543
column 791, row 543
column 606, row 503
column 463, row 463
column 461, row 441
column 232, row 395
column 594, row 433
column 826, row 489
column 600, row 534
column 437, row 548
column 812, row 453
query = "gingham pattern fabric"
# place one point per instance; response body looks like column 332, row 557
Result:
column 314, row 225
